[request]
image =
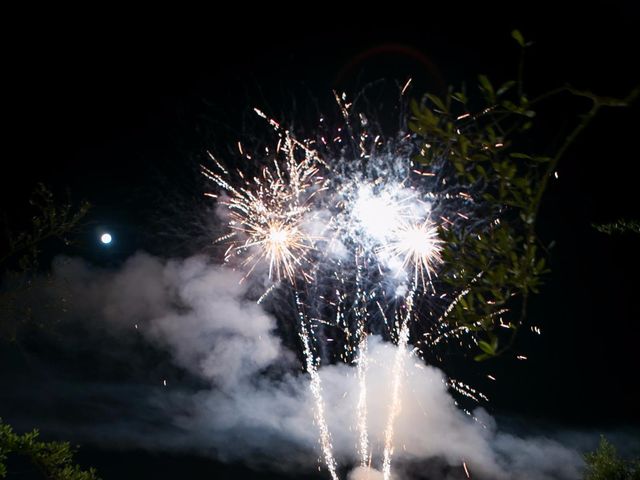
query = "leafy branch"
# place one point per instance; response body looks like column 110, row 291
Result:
column 54, row 460
column 51, row 220
column 19, row 258
column 605, row 464
column 498, row 264
column 620, row 226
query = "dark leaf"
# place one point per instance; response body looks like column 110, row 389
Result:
column 438, row 103
column 517, row 36
column 486, row 347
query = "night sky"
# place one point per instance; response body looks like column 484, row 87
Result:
column 119, row 109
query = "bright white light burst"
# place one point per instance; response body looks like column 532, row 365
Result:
column 378, row 215
column 417, row 244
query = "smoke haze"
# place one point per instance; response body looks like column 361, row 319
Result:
column 234, row 391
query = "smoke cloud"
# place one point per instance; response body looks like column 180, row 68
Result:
column 235, row 391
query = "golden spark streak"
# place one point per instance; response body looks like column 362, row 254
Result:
column 406, row 85
column 466, row 470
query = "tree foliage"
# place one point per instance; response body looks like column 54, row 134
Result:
column 50, row 219
column 497, row 266
column 605, row 464
column 620, row 226
column 19, row 261
column 53, row 459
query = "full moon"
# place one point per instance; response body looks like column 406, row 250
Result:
column 106, row 238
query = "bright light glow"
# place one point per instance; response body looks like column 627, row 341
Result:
column 417, row 244
column 106, row 238
column 379, row 215
column 282, row 246
column 277, row 236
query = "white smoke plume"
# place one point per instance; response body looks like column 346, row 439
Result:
column 247, row 397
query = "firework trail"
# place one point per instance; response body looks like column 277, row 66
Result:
column 363, row 435
column 396, row 385
column 362, row 365
column 316, row 391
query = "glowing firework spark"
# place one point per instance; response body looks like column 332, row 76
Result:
column 466, row 470
column 282, row 245
column 417, row 245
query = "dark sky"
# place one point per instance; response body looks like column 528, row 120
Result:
column 118, row 108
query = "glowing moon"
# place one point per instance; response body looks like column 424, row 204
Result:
column 105, row 238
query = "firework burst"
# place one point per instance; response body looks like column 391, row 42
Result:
column 353, row 226
column 416, row 245
column 267, row 211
